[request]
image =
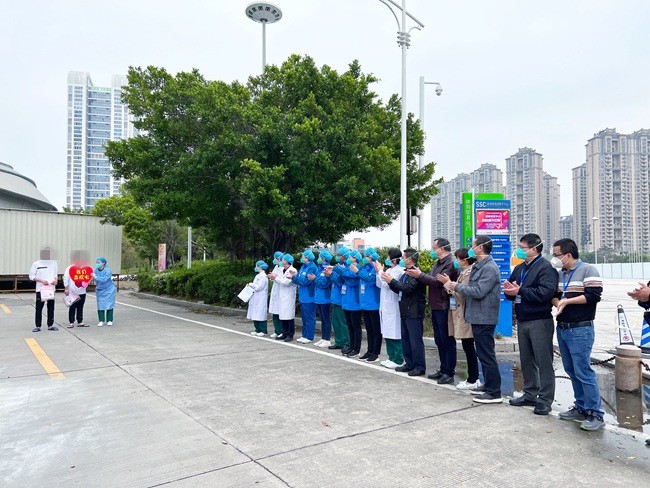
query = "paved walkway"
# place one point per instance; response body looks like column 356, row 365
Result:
column 176, row 397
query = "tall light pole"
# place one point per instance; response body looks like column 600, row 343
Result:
column 421, row 157
column 404, row 41
column 594, row 220
column 263, row 13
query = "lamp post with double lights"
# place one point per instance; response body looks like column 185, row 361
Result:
column 263, row 13
column 421, row 157
column 404, row 41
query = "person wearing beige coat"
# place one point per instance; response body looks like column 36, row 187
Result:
column 458, row 327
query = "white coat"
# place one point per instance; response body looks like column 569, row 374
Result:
column 391, row 323
column 274, row 302
column 258, row 304
column 287, row 295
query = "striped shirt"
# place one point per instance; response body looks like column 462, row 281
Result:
column 581, row 279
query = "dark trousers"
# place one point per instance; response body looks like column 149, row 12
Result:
column 353, row 320
column 39, row 311
column 535, row 339
column 288, row 328
column 445, row 343
column 373, row 330
column 412, row 343
column 472, row 360
column 77, row 310
column 484, row 340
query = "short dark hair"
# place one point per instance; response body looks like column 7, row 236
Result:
column 394, row 253
column 463, row 253
column 533, row 241
column 485, row 242
column 567, row 246
column 411, row 253
column 443, row 243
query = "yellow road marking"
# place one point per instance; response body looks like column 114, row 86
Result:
column 48, row 365
column 4, row 308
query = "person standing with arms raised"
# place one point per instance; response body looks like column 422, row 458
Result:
column 531, row 287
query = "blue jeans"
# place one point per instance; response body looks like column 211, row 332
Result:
column 308, row 316
column 484, row 342
column 575, row 348
column 325, row 320
column 445, row 343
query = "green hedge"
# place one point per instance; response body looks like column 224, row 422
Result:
column 215, row 282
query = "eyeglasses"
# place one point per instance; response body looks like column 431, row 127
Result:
column 559, row 255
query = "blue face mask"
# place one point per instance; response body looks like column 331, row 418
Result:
column 365, row 261
column 520, row 253
column 456, row 264
column 348, row 261
column 388, row 262
column 98, row 266
column 471, row 253
column 402, row 263
column 255, row 269
column 433, row 254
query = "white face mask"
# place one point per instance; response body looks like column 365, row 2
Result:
column 556, row 263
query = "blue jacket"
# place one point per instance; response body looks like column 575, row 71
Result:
column 337, row 281
column 349, row 290
column 323, row 290
column 368, row 291
column 306, row 286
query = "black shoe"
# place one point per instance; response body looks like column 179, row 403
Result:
column 522, row 402
column 287, row 339
column 446, row 380
column 352, row 354
column 403, row 368
column 365, row 356
column 372, row 358
column 334, row 347
column 345, row 350
column 281, row 337
column 415, row 372
column 435, row 376
column 542, row 409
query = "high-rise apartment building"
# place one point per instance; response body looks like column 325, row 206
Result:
column 618, row 190
column 95, row 116
column 445, row 206
column 534, row 197
column 581, row 224
column 566, row 228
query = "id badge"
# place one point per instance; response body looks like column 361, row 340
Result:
column 518, row 299
column 399, row 296
column 452, row 303
column 344, row 289
column 362, row 289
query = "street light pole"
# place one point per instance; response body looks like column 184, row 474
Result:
column 403, row 40
column 595, row 219
column 263, row 13
column 421, row 157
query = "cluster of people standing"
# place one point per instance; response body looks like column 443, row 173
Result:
column 464, row 294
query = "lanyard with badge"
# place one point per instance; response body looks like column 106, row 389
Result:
column 523, row 275
column 565, row 284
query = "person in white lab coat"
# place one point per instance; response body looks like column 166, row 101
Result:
column 274, row 305
column 287, row 299
column 258, row 305
column 389, row 315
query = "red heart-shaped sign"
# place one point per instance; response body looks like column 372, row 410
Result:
column 79, row 274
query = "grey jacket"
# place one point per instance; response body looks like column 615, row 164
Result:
column 482, row 293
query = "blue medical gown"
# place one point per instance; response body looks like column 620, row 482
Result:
column 105, row 290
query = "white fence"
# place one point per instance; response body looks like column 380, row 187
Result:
column 636, row 271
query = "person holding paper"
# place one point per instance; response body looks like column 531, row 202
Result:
column 75, row 279
column 44, row 272
column 258, row 305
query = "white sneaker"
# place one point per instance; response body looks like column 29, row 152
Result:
column 254, row 333
column 464, row 385
column 305, row 340
column 261, row 334
column 389, row 364
column 324, row 343
column 383, row 363
column 101, row 324
column 273, row 336
column 109, row 323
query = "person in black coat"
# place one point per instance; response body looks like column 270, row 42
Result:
column 411, row 307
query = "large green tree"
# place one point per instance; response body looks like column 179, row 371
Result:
column 297, row 155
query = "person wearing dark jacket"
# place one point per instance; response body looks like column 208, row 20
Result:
column 411, row 308
column 439, row 303
column 532, row 286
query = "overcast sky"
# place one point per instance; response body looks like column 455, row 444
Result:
column 516, row 73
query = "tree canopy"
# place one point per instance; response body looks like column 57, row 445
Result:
column 297, row 155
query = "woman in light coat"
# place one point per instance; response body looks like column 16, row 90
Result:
column 258, row 304
column 287, row 299
column 105, row 292
column 389, row 315
column 458, row 327
column 274, row 304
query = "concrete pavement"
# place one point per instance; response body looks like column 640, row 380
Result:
column 175, row 397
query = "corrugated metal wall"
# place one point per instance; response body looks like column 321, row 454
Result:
column 23, row 233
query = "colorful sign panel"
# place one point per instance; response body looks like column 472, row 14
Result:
column 162, row 257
